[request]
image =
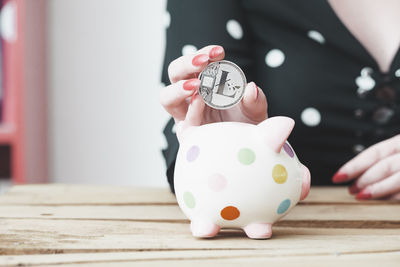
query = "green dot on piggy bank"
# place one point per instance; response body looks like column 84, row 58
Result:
column 246, row 156
column 189, row 200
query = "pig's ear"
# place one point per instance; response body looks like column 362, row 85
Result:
column 276, row 131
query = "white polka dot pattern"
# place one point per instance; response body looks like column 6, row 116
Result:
column 274, row 58
column 366, row 71
column 365, row 82
column 316, row 36
column 311, row 117
column 188, row 49
column 167, row 19
column 234, row 29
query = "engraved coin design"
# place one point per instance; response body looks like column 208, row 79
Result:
column 222, row 84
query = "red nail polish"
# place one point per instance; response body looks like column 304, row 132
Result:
column 257, row 90
column 364, row 194
column 191, row 84
column 216, row 51
column 353, row 189
column 339, row 177
column 200, row 60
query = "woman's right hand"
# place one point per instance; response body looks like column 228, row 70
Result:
column 182, row 101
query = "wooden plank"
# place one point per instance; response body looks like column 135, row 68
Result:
column 144, row 226
column 172, row 213
column 27, row 236
column 338, row 195
column 59, row 194
column 253, row 262
column 202, row 258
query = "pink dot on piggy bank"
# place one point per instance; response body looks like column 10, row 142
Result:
column 217, row 182
column 192, row 153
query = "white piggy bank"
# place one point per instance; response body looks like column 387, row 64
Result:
column 238, row 175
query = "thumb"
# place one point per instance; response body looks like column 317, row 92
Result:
column 254, row 103
column 194, row 116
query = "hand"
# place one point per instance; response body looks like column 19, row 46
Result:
column 376, row 171
column 183, row 73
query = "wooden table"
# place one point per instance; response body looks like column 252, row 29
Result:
column 105, row 225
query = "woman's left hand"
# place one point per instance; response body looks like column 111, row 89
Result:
column 375, row 171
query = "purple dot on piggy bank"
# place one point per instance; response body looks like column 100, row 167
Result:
column 288, row 150
column 193, row 153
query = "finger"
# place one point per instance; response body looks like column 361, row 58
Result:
column 189, row 66
column 194, row 115
column 174, row 97
column 395, row 197
column 366, row 159
column 254, row 103
column 384, row 188
column 382, row 169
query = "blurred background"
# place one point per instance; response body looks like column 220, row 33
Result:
column 80, row 81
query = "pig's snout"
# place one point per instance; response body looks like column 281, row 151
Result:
column 305, row 187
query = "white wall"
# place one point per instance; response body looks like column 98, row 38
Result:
column 104, row 64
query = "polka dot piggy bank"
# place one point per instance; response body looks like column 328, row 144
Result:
column 238, row 175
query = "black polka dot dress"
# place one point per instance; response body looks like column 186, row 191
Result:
column 310, row 67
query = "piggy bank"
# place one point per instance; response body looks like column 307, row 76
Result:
column 238, row 175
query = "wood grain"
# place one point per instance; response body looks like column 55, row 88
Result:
column 202, row 258
column 108, row 226
column 59, row 194
column 323, row 212
column 63, row 236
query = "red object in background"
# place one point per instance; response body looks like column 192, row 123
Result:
column 23, row 124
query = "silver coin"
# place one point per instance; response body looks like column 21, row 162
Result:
column 222, row 84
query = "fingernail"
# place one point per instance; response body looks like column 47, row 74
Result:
column 200, row 60
column 339, row 177
column 257, row 90
column 216, row 51
column 191, row 84
column 353, row 189
column 364, row 194
column 193, row 97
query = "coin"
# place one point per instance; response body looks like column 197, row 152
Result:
column 222, row 84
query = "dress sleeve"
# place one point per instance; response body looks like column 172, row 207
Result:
column 193, row 25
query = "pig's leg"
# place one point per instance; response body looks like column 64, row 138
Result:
column 258, row 230
column 204, row 228
column 305, row 188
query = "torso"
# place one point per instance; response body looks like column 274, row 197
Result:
column 318, row 83
column 375, row 24
column 334, row 67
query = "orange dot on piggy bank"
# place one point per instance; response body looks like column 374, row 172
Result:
column 230, row 213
